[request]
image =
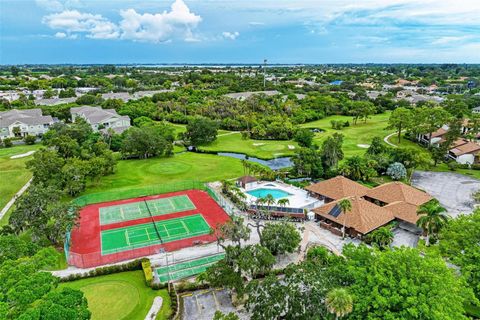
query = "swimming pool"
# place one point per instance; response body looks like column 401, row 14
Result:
column 263, row 192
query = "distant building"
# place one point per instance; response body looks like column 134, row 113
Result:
column 336, row 82
column 101, row 119
column 28, row 121
column 248, row 94
column 476, row 110
column 464, row 151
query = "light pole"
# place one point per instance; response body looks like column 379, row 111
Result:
column 264, row 73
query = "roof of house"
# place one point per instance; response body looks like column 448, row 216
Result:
column 398, row 191
column 26, row 116
column 467, row 148
column 440, row 132
column 247, row 179
column 364, row 216
column 96, row 114
column 403, row 210
column 338, row 188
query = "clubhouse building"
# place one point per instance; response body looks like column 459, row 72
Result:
column 372, row 208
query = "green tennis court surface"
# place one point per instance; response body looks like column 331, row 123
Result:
column 138, row 210
column 187, row 269
column 143, row 235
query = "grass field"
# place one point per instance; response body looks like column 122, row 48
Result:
column 13, row 171
column 263, row 149
column 180, row 167
column 120, row 296
column 354, row 135
column 143, row 235
column 138, row 210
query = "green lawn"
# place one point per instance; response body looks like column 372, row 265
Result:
column 120, row 296
column 180, row 167
column 354, row 135
column 263, row 149
column 13, row 171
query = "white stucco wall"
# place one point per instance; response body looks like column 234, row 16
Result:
column 466, row 159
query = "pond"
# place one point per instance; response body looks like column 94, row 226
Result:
column 274, row 164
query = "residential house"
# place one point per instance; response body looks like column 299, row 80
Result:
column 29, row 122
column 464, row 151
column 476, row 110
column 247, row 182
column 101, row 119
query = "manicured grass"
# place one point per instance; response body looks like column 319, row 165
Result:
column 120, row 296
column 263, row 149
column 180, row 167
column 361, row 133
column 13, row 172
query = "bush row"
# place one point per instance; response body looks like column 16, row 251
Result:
column 130, row 266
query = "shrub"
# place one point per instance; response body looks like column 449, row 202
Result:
column 396, row 171
column 30, row 139
column 7, row 142
column 129, row 266
column 452, row 165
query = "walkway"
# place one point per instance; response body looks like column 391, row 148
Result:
column 311, row 227
column 388, row 142
column 228, row 133
column 14, row 198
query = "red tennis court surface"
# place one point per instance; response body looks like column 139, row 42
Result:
column 85, row 242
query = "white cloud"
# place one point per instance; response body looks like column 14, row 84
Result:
column 159, row 27
column 449, row 39
column 58, row 5
column 230, row 35
column 60, row 35
column 72, row 21
column 256, row 23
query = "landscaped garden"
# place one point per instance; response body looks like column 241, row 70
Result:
column 120, row 296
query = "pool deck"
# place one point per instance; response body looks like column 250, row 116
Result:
column 298, row 197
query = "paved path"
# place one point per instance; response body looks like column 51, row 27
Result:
column 14, row 198
column 156, row 306
column 228, row 133
column 388, row 142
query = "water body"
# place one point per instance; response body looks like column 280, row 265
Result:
column 274, row 164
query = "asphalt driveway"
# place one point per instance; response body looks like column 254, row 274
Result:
column 453, row 190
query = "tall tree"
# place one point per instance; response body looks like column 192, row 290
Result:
column 433, row 217
column 201, row 131
column 400, row 119
column 280, row 238
column 346, row 206
column 332, row 151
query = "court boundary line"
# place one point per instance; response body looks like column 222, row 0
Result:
column 153, row 242
column 176, row 209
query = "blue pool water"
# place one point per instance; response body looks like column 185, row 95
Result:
column 262, row 193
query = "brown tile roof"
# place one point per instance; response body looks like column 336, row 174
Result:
column 468, row 147
column 247, row 179
column 404, row 211
column 398, row 191
column 364, row 216
column 338, row 188
column 440, row 132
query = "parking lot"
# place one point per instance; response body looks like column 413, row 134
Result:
column 453, row 190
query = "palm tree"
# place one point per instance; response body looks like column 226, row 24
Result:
column 339, row 302
column 283, row 202
column 345, row 205
column 433, row 218
column 269, row 200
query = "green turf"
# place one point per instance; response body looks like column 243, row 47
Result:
column 187, row 269
column 264, row 149
column 354, row 135
column 120, row 296
column 13, row 171
column 157, row 171
column 138, row 210
column 143, row 235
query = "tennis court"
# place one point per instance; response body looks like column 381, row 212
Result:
column 139, row 210
column 147, row 234
column 187, row 269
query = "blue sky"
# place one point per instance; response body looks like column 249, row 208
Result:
column 242, row 31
